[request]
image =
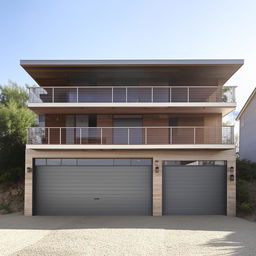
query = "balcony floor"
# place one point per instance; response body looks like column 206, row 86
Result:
column 173, row 146
column 132, row 108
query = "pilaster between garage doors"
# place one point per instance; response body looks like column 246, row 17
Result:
column 157, row 187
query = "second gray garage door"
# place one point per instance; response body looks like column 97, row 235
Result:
column 93, row 189
column 194, row 189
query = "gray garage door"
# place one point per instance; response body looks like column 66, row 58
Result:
column 194, row 189
column 87, row 189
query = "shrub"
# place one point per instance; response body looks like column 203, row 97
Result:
column 245, row 207
column 246, row 170
column 242, row 192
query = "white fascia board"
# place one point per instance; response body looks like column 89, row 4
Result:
column 136, row 62
column 125, row 105
column 180, row 146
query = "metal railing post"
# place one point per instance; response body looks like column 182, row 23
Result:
column 128, row 136
column 48, row 135
column 53, row 94
column 188, row 94
column 112, row 94
column 146, row 135
column 170, row 94
column 60, row 135
column 194, row 135
column 170, row 135
column 126, row 94
column 77, row 94
column 233, row 135
column 80, row 136
column 100, row 135
column 152, row 94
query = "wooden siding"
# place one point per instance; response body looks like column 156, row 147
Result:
column 105, row 121
column 154, row 136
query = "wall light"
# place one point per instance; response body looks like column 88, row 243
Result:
column 29, row 169
column 231, row 169
column 157, row 167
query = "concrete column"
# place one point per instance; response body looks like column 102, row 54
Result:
column 157, row 188
column 28, row 203
column 231, row 189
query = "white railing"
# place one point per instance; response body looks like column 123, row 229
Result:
column 129, row 94
column 132, row 135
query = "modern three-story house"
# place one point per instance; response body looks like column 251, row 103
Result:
column 130, row 137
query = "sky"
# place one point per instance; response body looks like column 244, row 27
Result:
column 129, row 29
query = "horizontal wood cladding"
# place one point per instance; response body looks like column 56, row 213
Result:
column 105, row 121
column 55, row 120
column 152, row 135
column 156, row 136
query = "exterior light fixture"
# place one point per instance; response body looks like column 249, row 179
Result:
column 231, row 169
column 157, row 167
column 29, row 169
column 231, row 177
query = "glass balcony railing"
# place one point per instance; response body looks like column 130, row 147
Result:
column 131, row 135
column 131, row 94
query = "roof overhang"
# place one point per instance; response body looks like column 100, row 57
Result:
column 186, row 72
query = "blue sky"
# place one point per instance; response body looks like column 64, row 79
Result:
column 81, row 29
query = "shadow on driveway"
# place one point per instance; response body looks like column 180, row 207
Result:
column 230, row 235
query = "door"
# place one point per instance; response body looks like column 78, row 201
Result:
column 194, row 189
column 127, row 130
column 93, row 187
column 76, row 135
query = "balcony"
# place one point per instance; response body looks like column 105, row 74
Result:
column 132, row 94
column 132, row 137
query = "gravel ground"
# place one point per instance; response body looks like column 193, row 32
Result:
column 126, row 235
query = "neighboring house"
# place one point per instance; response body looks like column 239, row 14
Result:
column 130, row 137
column 247, row 136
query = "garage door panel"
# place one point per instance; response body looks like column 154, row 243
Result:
column 194, row 190
column 85, row 190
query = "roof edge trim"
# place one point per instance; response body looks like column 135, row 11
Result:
column 135, row 62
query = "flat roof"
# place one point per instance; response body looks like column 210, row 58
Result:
column 135, row 62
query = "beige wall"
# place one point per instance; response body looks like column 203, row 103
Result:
column 160, row 155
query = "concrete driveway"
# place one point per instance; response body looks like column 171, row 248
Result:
column 122, row 235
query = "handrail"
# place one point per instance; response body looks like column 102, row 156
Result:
column 130, row 94
column 126, row 127
column 130, row 86
column 132, row 135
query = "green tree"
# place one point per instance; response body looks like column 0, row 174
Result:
column 14, row 118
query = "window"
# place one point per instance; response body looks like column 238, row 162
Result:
column 41, row 121
column 196, row 162
column 93, row 162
